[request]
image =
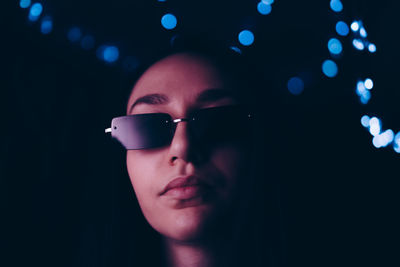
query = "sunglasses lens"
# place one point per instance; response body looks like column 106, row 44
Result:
column 143, row 131
column 220, row 124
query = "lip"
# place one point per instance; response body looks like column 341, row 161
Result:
column 185, row 187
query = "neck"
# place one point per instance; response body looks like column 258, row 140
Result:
column 195, row 254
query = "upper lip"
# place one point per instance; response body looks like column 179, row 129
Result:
column 182, row 182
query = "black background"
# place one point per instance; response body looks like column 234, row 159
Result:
column 63, row 182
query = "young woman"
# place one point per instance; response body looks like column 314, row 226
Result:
column 195, row 155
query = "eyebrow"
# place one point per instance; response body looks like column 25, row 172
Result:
column 210, row 95
column 151, row 99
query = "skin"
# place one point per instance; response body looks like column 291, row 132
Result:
column 188, row 228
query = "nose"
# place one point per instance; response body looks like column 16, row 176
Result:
column 180, row 146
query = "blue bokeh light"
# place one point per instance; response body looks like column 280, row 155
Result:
column 35, row 11
column 268, row 2
column 47, row 25
column 236, row 49
column 336, row 5
column 365, row 121
column 383, row 139
column 295, row 85
column 335, row 46
column 342, row 28
column 168, row 21
column 264, row 8
column 74, row 34
column 374, row 126
column 87, row 42
column 363, row 32
column 110, row 54
column 246, row 37
column 368, row 83
column 329, row 68
column 358, row 44
column 24, row 3
column 372, row 48
column 396, row 142
column 355, row 25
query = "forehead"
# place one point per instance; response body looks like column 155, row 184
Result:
column 180, row 77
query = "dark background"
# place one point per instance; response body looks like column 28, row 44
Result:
column 63, row 183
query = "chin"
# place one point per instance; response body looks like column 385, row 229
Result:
column 188, row 224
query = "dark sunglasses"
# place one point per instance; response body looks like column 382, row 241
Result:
column 208, row 126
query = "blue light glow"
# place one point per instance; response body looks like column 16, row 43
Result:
column 74, row 34
column 110, row 54
column 363, row 93
column 24, row 3
column 383, row 139
column 35, row 11
column 236, row 49
column 372, row 48
column 335, row 46
column 365, row 97
column 168, row 21
column 355, row 26
column 295, row 85
column 246, row 37
column 87, row 42
column 396, row 143
column 363, row 32
column 268, row 2
column 358, row 44
column 264, row 8
column 329, row 68
column 365, row 121
column 368, row 83
column 47, row 25
column 336, row 5
column 374, row 126
column 342, row 28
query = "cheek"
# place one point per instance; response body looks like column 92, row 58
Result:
column 142, row 169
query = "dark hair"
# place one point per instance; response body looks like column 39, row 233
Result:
column 258, row 226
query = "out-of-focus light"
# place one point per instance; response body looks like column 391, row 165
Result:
column 355, row 26
column 295, row 85
column 74, row 34
column 342, row 28
column 363, row 32
column 383, row 139
column 168, row 21
column 360, row 88
column 358, row 44
column 336, row 5
column 236, row 49
column 35, row 11
column 264, row 8
column 110, row 54
column 335, row 46
column 329, row 68
column 47, row 25
column 87, row 42
column 246, row 37
column 374, row 126
column 396, row 143
column 24, row 3
column 365, row 97
column 372, row 48
column 268, row 2
column 368, row 83
column 365, row 121
column 162, row 0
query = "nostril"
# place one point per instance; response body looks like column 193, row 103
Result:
column 172, row 160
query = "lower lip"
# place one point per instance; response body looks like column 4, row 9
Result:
column 186, row 192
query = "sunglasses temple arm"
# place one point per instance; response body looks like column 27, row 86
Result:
column 108, row 130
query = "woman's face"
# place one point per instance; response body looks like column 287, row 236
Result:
column 202, row 179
